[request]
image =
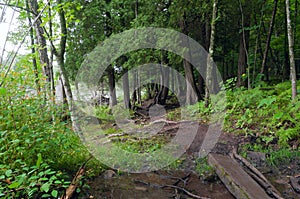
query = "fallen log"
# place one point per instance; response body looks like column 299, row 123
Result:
column 74, row 184
column 258, row 176
column 295, row 183
column 237, row 181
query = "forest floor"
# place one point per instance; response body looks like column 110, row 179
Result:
column 186, row 181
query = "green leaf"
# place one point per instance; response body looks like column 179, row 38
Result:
column 54, row 193
column 57, row 182
column 45, row 187
column 39, row 160
column 278, row 116
column 13, row 185
column 3, row 91
column 8, row 172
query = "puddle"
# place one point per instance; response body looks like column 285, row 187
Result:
column 150, row 185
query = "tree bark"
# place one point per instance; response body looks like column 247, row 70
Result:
column 291, row 50
column 192, row 93
column 111, row 84
column 165, row 89
column 264, row 67
column 243, row 50
column 41, row 41
column 257, row 43
column 210, row 61
column 34, row 63
column 126, row 90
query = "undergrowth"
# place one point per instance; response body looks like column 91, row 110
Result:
column 39, row 152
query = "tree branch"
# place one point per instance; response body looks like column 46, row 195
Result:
column 18, row 7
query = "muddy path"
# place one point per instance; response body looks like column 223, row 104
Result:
column 185, row 181
column 181, row 182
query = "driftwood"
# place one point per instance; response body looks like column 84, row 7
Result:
column 257, row 175
column 74, row 184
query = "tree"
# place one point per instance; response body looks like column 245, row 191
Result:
column 291, row 50
column 264, row 68
column 244, row 43
column 210, row 61
column 41, row 41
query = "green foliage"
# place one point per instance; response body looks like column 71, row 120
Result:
column 203, row 168
column 104, row 113
column 268, row 113
column 38, row 151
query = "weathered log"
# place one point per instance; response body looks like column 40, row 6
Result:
column 295, row 184
column 261, row 179
column 237, row 181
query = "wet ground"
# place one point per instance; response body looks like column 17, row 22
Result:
column 184, row 181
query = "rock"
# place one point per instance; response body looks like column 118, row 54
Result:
column 258, row 159
column 108, row 174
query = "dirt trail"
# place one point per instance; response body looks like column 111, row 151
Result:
column 159, row 184
column 177, row 183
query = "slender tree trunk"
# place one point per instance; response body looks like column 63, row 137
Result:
column 244, row 44
column 286, row 69
column 210, row 65
column 264, row 68
column 295, row 20
column 134, row 94
column 34, row 63
column 111, row 84
column 291, row 50
column 126, row 90
column 51, row 52
column 257, row 43
column 192, row 93
column 60, row 60
column 165, row 90
column 41, row 41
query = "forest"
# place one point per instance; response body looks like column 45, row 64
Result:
column 126, row 99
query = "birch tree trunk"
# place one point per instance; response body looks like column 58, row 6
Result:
column 41, row 41
column 209, row 69
column 291, row 50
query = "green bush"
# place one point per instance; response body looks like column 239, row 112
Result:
column 38, row 151
column 268, row 113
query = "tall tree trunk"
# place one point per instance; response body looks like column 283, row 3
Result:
column 111, row 84
column 41, row 41
column 264, row 68
column 165, row 89
column 291, row 50
column 244, row 44
column 34, row 63
column 51, row 52
column 210, row 65
column 134, row 94
column 295, row 20
column 60, row 54
column 286, row 69
column 192, row 93
column 257, row 42
column 126, row 90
